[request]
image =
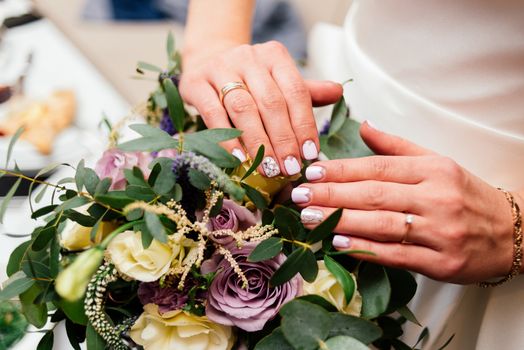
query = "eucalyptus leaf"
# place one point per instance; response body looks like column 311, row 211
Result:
column 198, row 179
column 7, row 199
column 346, row 143
column 72, row 335
column 43, row 211
column 93, row 340
column 44, row 237
column 375, row 289
column 255, row 196
column 274, row 341
column 72, row 203
column 15, row 285
column 36, row 314
column 258, row 159
column 356, row 327
column 40, row 194
column 115, row 199
column 175, row 105
column 155, row 227
column 403, row 289
column 142, row 193
column 12, row 142
column 165, row 180
column 91, row 180
column 301, row 260
column 338, row 116
column 74, row 310
column 318, row 300
column 211, row 150
column 342, row 342
column 343, row 277
column 103, row 186
column 325, row 229
column 214, row 135
column 16, row 257
column 266, row 250
column 148, row 66
column 170, row 46
column 405, row 312
column 79, row 175
column 46, row 343
column 305, row 325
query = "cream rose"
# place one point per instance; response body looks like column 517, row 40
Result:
column 77, row 237
column 179, row 330
column 146, row 265
column 327, row 286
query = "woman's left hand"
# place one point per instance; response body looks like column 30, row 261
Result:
column 461, row 229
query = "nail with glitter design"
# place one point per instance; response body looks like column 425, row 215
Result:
column 270, row 166
column 291, row 165
column 315, row 172
column 301, row 195
column 309, row 149
column 311, row 216
column 239, row 154
column 341, row 242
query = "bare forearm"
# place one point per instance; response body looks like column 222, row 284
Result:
column 213, row 23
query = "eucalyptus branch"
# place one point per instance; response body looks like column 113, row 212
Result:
column 33, row 180
column 292, row 241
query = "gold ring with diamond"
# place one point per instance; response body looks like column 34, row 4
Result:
column 408, row 221
column 230, row 87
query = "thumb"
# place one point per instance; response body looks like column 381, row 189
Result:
column 389, row 145
column 324, row 92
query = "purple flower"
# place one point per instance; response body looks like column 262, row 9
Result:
column 114, row 161
column 249, row 309
column 166, row 123
column 167, row 298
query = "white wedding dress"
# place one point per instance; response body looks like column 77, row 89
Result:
column 447, row 75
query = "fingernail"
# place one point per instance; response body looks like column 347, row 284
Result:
column 239, row 154
column 270, row 166
column 292, row 166
column 372, row 125
column 311, row 216
column 341, row 242
column 301, row 195
column 315, row 172
column 309, row 149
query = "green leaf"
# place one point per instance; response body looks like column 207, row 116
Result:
column 46, row 343
column 145, row 236
column 154, row 139
column 217, row 208
column 12, row 142
column 93, row 340
column 7, row 199
column 343, row 277
column 325, row 229
column 115, row 199
column 356, row 327
column 255, row 196
column 54, row 258
column 375, row 289
column 79, row 176
column 211, row 150
column 170, row 46
column 403, row 288
column 305, row 325
column 91, row 180
column 318, row 300
column 40, row 194
column 274, row 341
column 74, row 310
column 142, row 66
column 43, row 211
column 266, row 250
column 72, row 334
column 155, row 227
column 103, row 186
column 72, row 203
column 44, row 237
column 424, row 334
column 258, row 159
column 346, row 143
column 165, row 179
column 16, row 257
column 84, row 220
column 338, row 116
column 344, row 343
column 214, row 135
column 15, row 285
column 287, row 222
column 135, row 177
column 140, row 193
column 301, row 260
column 35, row 314
column 408, row 314
column 175, row 105
column 199, row 179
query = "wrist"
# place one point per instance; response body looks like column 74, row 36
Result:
column 194, row 54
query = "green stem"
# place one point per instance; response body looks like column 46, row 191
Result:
column 119, row 230
column 292, row 241
column 22, row 176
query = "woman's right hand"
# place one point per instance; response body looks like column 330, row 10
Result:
column 276, row 111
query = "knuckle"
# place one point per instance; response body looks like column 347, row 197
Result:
column 330, row 193
column 451, row 169
column 282, row 139
column 273, row 100
column 451, row 268
column 240, row 103
column 374, row 195
column 298, row 91
column 210, row 110
column 275, row 46
column 380, row 167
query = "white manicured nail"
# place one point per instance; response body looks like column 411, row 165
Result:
column 341, row 242
column 239, row 154
column 270, row 166
column 315, row 172
column 372, row 125
column 292, row 166
column 301, row 195
column 311, row 216
column 309, row 148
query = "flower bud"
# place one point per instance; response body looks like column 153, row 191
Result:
column 71, row 283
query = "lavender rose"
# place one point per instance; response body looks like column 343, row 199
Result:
column 114, row 161
column 249, row 309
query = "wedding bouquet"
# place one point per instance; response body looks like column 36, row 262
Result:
column 169, row 242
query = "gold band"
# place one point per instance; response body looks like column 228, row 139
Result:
column 517, row 244
column 230, row 87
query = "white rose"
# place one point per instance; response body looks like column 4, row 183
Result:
column 77, row 237
column 146, row 265
column 179, row 330
column 327, row 286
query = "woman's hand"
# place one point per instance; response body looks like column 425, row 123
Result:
column 274, row 111
column 462, row 228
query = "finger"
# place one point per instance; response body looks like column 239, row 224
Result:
column 300, row 109
column 363, row 195
column 204, row 98
column 397, row 255
column 386, row 144
column 401, row 169
column 376, row 225
column 243, row 112
column 324, row 92
column 274, row 113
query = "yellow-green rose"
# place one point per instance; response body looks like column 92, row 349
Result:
column 179, row 330
column 327, row 286
column 77, row 237
column 146, row 265
column 268, row 187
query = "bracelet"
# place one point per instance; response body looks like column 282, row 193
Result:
column 517, row 244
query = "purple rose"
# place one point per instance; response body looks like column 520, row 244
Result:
column 232, row 217
column 249, row 309
column 114, row 161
